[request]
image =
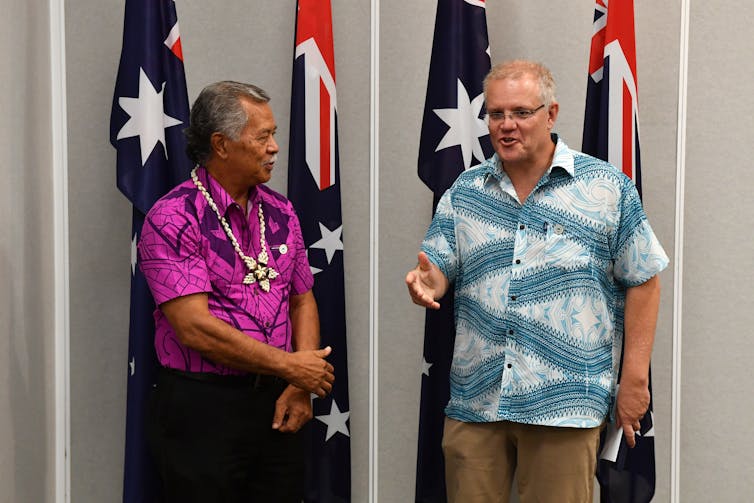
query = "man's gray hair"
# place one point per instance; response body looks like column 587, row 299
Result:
column 218, row 109
column 518, row 68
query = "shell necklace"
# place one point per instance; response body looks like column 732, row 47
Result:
column 258, row 269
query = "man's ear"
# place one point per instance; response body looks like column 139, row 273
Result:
column 218, row 141
column 552, row 114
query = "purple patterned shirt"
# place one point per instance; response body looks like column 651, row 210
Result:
column 184, row 250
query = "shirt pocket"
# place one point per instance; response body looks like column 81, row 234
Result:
column 563, row 250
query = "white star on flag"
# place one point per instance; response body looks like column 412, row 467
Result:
column 465, row 126
column 335, row 421
column 147, row 117
column 330, row 241
column 313, row 269
column 134, row 255
column 425, row 366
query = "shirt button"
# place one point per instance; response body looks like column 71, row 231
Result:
column 267, row 324
column 522, row 226
column 513, row 297
column 510, row 365
column 510, row 332
column 518, row 260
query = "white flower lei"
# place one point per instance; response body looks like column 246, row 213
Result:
column 258, row 269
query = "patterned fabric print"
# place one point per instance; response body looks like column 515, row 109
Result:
column 184, row 250
column 540, row 288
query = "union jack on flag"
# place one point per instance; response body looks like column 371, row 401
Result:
column 314, row 190
column 611, row 120
column 611, row 133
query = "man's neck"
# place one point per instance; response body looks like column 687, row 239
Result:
column 526, row 176
column 238, row 191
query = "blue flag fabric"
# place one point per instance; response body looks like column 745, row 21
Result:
column 150, row 109
column 454, row 137
column 314, row 190
column 611, row 133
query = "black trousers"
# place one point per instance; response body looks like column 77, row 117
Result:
column 213, row 442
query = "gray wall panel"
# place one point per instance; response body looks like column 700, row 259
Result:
column 248, row 41
column 558, row 34
column 27, row 401
column 717, row 409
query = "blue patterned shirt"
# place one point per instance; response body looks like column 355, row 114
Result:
column 540, row 288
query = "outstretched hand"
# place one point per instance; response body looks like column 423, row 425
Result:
column 310, row 371
column 426, row 283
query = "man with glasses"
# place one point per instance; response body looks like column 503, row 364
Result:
column 553, row 266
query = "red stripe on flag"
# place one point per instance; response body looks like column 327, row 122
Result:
column 315, row 21
column 324, row 136
column 628, row 132
column 178, row 49
column 597, row 51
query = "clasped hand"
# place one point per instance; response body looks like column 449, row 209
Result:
column 310, row 371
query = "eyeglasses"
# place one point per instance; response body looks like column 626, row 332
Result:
column 516, row 115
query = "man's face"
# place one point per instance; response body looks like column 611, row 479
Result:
column 519, row 141
column 253, row 155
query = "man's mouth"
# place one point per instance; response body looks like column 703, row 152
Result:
column 271, row 162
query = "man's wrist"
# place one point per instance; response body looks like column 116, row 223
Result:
column 634, row 379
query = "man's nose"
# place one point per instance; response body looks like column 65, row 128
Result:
column 508, row 122
column 272, row 145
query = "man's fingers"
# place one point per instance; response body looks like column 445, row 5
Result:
column 424, row 263
column 279, row 417
column 629, row 434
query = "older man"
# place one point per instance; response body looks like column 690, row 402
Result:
column 553, row 266
column 237, row 330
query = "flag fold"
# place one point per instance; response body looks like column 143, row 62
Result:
column 611, row 133
column 314, row 189
column 150, row 109
column 454, row 137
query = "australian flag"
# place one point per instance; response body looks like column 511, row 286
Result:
column 454, row 137
column 150, row 109
column 611, row 132
column 314, row 190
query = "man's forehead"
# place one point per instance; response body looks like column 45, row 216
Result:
column 509, row 88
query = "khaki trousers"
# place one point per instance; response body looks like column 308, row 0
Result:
column 552, row 464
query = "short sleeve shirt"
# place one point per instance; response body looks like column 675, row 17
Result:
column 540, row 288
column 184, row 250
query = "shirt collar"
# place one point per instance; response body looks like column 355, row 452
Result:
column 562, row 158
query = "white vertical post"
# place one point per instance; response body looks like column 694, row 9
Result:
column 675, row 427
column 374, row 211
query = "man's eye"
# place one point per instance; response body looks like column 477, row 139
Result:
column 521, row 114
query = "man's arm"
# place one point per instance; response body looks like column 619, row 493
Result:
column 426, row 283
column 197, row 329
column 293, row 408
column 642, row 305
